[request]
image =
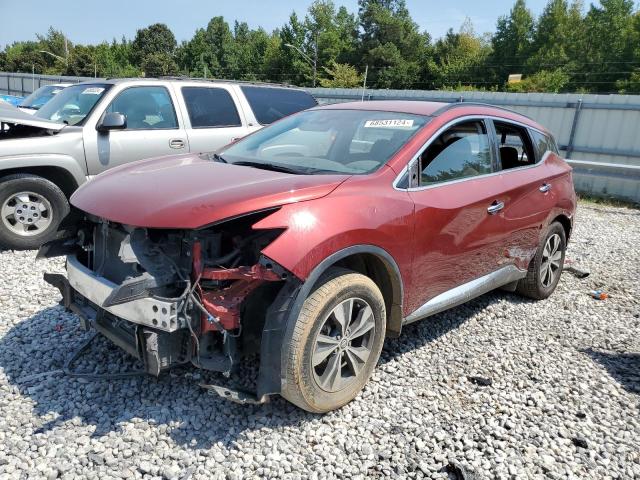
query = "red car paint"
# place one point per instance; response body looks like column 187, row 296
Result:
column 187, row 191
column 439, row 237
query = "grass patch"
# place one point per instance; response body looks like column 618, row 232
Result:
column 608, row 201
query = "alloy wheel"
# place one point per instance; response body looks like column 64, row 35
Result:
column 26, row 213
column 343, row 344
column 551, row 257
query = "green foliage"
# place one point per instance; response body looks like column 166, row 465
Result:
column 158, row 65
column 154, row 39
column 553, row 81
column 341, row 75
column 512, row 43
column 564, row 50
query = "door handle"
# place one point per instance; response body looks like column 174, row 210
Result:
column 176, row 143
column 545, row 187
column 495, row 207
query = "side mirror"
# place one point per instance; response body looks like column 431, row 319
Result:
column 112, row 121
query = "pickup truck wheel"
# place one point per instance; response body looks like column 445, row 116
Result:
column 336, row 342
column 546, row 267
column 31, row 208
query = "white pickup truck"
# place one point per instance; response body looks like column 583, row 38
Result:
column 90, row 127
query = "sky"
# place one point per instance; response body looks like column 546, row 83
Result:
column 90, row 21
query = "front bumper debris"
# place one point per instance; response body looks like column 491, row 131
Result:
column 151, row 312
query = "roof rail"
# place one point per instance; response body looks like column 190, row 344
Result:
column 200, row 79
column 223, row 80
column 460, row 102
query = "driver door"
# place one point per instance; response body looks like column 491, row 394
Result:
column 457, row 236
column 153, row 129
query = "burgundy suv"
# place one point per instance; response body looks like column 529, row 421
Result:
column 311, row 240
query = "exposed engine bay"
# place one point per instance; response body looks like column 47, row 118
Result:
column 171, row 297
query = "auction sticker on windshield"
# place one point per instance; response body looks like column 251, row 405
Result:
column 390, row 123
column 93, row 90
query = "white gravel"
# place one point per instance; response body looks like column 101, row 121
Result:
column 564, row 400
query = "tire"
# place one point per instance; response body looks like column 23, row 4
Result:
column 537, row 284
column 46, row 207
column 313, row 388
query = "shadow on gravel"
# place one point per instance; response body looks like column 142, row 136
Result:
column 623, row 367
column 423, row 332
column 33, row 352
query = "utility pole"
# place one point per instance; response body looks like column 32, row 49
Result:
column 311, row 61
column 315, row 60
column 364, row 84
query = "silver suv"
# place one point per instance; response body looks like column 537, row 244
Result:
column 93, row 126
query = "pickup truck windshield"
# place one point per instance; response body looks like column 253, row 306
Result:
column 41, row 96
column 327, row 141
column 73, row 104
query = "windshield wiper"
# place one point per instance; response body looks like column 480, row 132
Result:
column 218, row 158
column 27, row 106
column 269, row 166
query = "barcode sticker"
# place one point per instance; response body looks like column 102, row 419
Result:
column 93, row 91
column 391, row 123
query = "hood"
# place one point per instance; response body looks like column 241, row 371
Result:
column 187, row 191
column 12, row 115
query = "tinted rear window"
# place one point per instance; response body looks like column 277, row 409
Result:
column 271, row 104
column 210, row 107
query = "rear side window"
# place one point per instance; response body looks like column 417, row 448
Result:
column 271, row 104
column 516, row 149
column 210, row 107
column 543, row 144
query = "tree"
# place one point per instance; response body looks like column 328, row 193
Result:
column 82, row 62
column 158, row 65
column 459, row 58
column 555, row 42
column 341, row 75
column 610, row 30
column 154, row 39
column 391, row 44
column 512, row 42
column 552, row 81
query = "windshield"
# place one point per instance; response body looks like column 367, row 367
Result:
column 73, row 104
column 41, row 96
column 327, row 141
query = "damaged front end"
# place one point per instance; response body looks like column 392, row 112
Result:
column 172, row 297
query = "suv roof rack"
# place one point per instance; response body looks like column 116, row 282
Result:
column 460, row 102
column 200, row 79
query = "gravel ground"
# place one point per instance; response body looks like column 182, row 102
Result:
column 563, row 400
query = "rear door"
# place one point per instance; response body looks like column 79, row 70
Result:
column 153, row 129
column 458, row 234
column 212, row 116
column 529, row 195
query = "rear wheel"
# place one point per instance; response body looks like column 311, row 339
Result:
column 546, row 267
column 31, row 208
column 336, row 342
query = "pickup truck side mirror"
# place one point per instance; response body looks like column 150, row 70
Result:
column 112, row 121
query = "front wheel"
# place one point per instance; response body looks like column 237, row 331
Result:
column 336, row 342
column 546, row 267
column 31, row 208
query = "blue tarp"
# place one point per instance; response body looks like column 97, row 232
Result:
column 12, row 99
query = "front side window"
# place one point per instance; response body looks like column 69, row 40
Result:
column 516, row 149
column 327, row 141
column 210, row 107
column 73, row 104
column 270, row 104
column 145, row 108
column 460, row 152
